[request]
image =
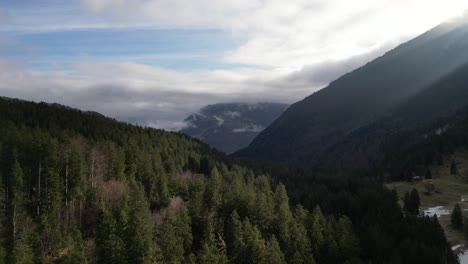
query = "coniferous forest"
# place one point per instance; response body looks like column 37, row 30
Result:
column 77, row 187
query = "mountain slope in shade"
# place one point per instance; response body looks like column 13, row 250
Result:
column 231, row 126
column 314, row 126
column 426, row 113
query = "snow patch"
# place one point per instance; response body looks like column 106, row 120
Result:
column 463, row 258
column 219, row 120
column 196, row 116
column 457, row 247
column 250, row 128
column 438, row 210
column 441, row 130
column 251, row 107
column 233, row 114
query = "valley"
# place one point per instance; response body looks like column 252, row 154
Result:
column 440, row 194
column 233, row 132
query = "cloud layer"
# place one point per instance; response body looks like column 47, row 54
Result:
column 141, row 94
column 294, row 33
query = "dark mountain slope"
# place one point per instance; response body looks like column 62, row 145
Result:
column 423, row 114
column 232, row 126
column 313, row 126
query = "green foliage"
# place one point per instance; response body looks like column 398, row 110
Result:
column 347, row 241
column 171, row 241
column 109, row 245
column 138, row 229
column 81, row 188
column 22, row 252
column 211, row 252
column 213, row 190
column 273, row 253
column 76, row 250
column 283, row 215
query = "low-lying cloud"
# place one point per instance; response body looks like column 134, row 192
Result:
column 141, row 94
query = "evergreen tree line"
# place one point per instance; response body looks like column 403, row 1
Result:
column 80, row 188
column 409, row 153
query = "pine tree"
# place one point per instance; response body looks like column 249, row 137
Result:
column 116, row 162
column 453, row 168
column 172, row 244
column 110, row 246
column 184, row 230
column 299, row 247
column 347, row 241
column 210, row 252
column 77, row 253
column 255, row 249
column 283, row 215
column 213, row 190
column 318, row 230
column 456, row 218
column 19, row 249
column 162, row 182
column 139, row 231
column 412, row 202
column 17, row 195
column 406, row 202
column 235, row 238
column 51, row 212
column 274, row 255
column 415, row 201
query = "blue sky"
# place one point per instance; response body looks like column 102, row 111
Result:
column 174, row 49
column 154, row 62
column 59, row 33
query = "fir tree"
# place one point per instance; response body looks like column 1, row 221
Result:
column 456, row 218
column 453, row 168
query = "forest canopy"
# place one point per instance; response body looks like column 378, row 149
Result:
column 77, row 187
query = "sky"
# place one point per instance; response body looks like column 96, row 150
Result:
column 154, row 62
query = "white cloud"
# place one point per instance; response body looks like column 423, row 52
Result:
column 290, row 34
column 172, row 13
column 287, row 35
column 138, row 93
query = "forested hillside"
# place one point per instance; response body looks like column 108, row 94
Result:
column 382, row 147
column 77, row 187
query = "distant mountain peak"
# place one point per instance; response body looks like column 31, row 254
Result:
column 231, row 126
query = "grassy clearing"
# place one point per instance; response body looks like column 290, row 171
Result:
column 448, row 190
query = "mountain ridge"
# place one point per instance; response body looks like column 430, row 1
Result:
column 231, row 126
column 311, row 127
